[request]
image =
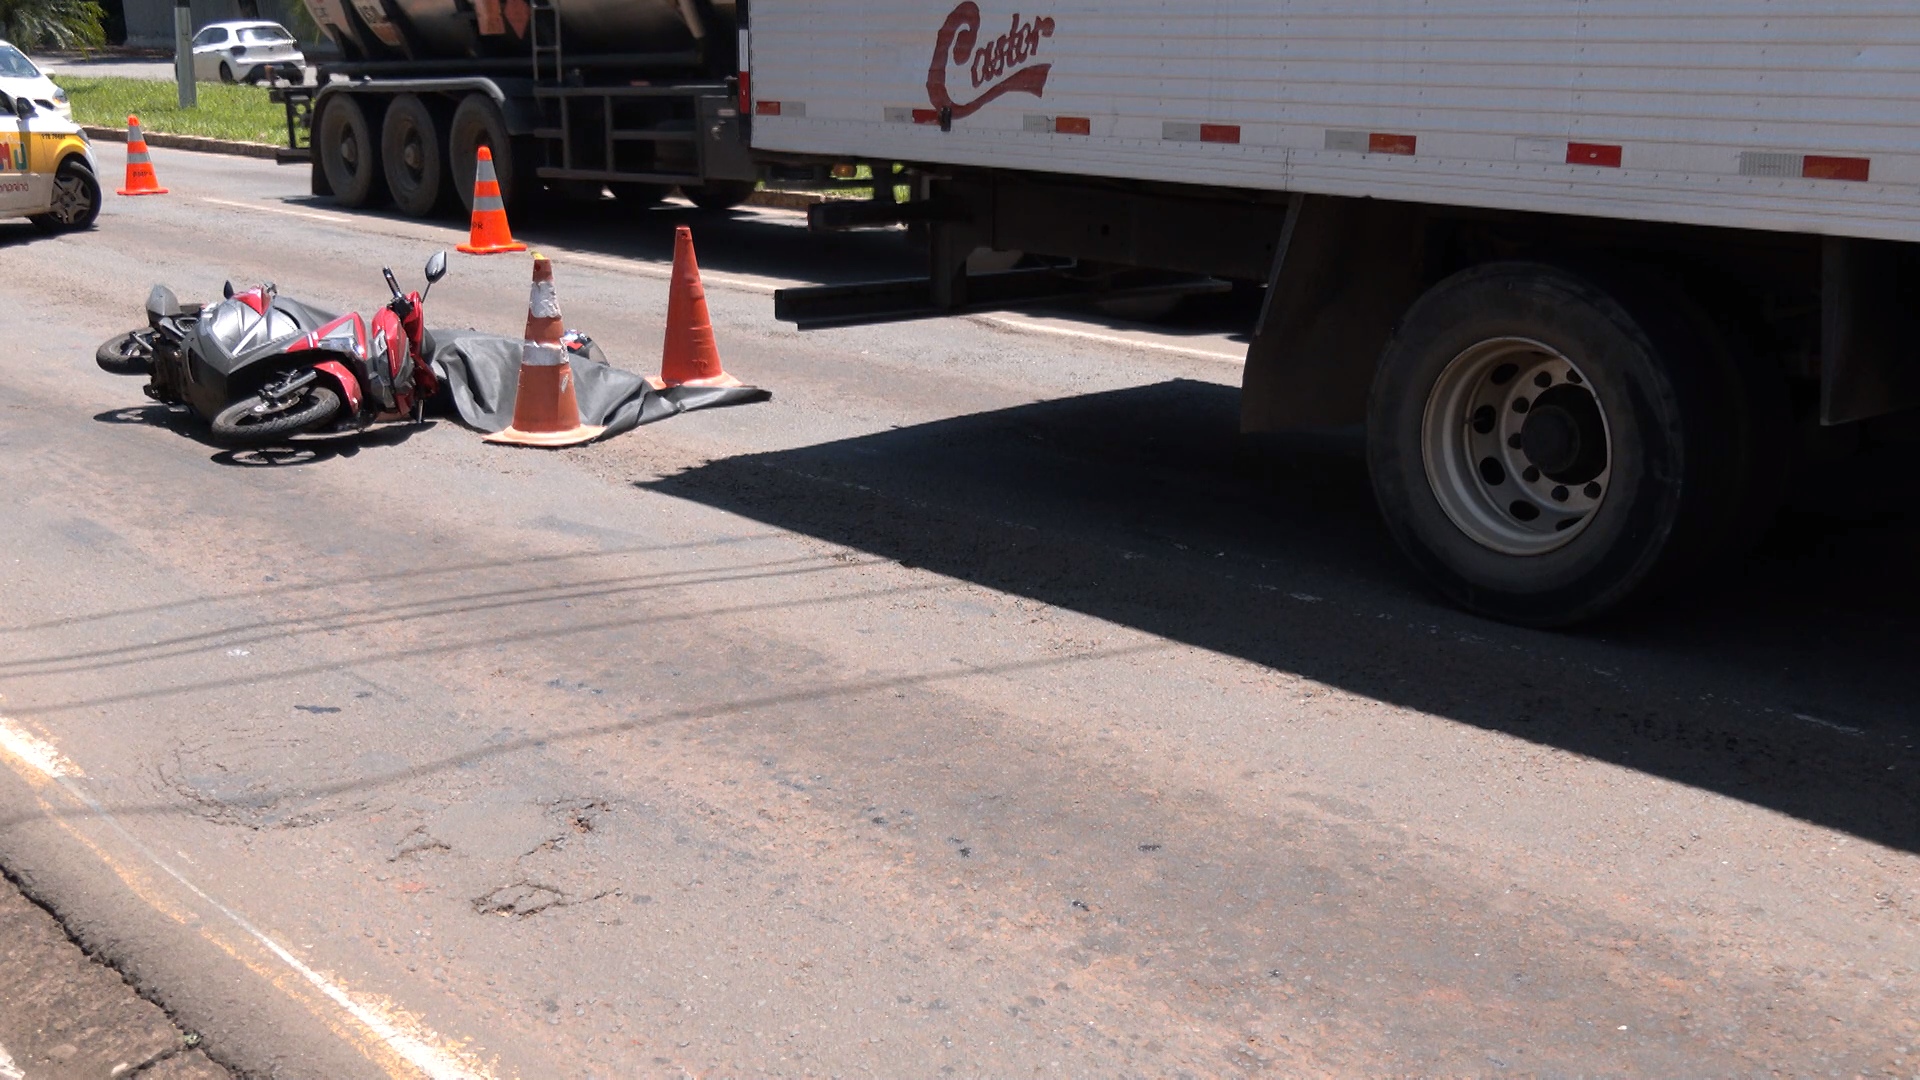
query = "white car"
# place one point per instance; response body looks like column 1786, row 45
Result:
column 47, row 171
column 19, row 78
column 246, row 52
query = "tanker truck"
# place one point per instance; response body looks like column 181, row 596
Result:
column 636, row 97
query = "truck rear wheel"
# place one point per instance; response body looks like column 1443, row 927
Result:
column 348, row 154
column 716, row 195
column 1544, row 447
column 476, row 123
column 412, row 156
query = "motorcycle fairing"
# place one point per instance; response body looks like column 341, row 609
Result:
column 344, row 379
column 346, row 335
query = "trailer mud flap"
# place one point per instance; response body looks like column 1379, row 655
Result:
column 1345, row 271
column 1870, row 329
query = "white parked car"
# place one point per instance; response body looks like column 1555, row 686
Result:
column 19, row 78
column 246, row 52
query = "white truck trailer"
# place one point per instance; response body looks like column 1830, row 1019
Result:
column 1590, row 271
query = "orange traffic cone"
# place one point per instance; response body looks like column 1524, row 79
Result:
column 489, row 234
column 545, row 410
column 140, row 178
column 690, row 358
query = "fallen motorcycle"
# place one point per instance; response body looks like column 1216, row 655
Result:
column 260, row 367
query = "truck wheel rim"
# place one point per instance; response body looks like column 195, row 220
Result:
column 1517, row 447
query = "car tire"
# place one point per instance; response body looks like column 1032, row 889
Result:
column 478, row 122
column 77, row 198
column 226, row 74
column 1546, row 444
column 412, row 156
column 348, row 154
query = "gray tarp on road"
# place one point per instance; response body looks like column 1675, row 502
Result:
column 480, row 372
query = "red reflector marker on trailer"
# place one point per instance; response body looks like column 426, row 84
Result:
column 1072, row 125
column 1817, row 167
column 766, row 108
column 1220, row 133
column 1383, row 143
column 1602, row 154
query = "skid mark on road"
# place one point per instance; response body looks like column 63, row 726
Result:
column 401, row 1044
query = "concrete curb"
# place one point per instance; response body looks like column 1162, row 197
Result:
column 777, row 200
column 186, row 142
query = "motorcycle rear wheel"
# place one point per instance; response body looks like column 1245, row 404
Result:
column 130, row 353
column 252, row 422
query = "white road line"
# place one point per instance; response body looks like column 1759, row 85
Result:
column 8, row 1070
column 392, row 1025
column 37, row 753
column 1828, row 724
column 1109, row 339
column 388, row 1022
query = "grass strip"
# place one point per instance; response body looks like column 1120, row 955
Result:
column 224, row 112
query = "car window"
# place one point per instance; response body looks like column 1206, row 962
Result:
column 212, row 35
column 264, row 35
column 15, row 65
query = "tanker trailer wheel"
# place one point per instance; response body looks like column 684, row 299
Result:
column 476, row 123
column 348, row 154
column 412, row 156
column 717, row 195
column 1544, row 446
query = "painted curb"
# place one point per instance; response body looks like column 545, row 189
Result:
column 186, row 142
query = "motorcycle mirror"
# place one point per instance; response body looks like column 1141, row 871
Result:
column 226, row 290
column 436, row 267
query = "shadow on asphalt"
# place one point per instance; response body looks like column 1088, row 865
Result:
column 1790, row 683
column 779, row 246
column 301, row 450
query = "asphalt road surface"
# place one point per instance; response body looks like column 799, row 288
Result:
column 977, row 707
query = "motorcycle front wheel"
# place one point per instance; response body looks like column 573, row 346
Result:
column 253, row 420
column 130, row 353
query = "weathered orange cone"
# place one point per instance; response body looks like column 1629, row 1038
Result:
column 140, row 177
column 545, row 410
column 690, row 358
column 489, row 234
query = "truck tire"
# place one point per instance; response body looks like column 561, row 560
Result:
column 718, row 195
column 1544, row 446
column 412, row 156
column 478, row 122
column 348, row 153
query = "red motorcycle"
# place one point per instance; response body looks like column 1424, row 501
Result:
column 261, row 367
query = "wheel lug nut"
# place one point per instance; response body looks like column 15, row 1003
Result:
column 1515, row 441
column 1559, row 494
column 1593, row 491
column 1520, row 404
column 1543, row 380
column 1531, row 475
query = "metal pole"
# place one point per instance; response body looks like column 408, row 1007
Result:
column 183, row 53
